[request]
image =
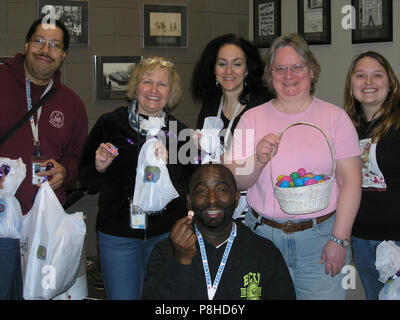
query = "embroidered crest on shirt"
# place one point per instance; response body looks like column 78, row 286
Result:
column 251, row 290
column 372, row 175
column 57, row 119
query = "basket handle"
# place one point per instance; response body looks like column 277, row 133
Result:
column 312, row 125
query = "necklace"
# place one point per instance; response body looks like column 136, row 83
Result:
column 212, row 287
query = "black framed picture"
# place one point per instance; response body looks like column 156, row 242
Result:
column 314, row 21
column 74, row 14
column 267, row 22
column 112, row 75
column 374, row 21
column 2, row 59
column 164, row 26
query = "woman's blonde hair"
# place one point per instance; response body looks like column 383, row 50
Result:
column 302, row 49
column 148, row 66
column 390, row 109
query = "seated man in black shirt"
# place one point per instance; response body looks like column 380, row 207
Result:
column 209, row 256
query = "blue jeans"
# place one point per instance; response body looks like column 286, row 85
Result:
column 364, row 253
column 123, row 264
column 10, row 270
column 302, row 252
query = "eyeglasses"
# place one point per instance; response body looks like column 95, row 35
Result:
column 157, row 60
column 294, row 68
column 40, row 43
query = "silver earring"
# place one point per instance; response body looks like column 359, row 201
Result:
column 216, row 82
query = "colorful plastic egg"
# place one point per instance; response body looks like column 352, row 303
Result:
column 285, row 184
column 294, row 175
column 317, row 177
column 304, row 179
column 310, row 182
column 286, row 178
column 280, row 177
column 309, row 175
column 326, row 178
column 301, row 172
column 298, row 182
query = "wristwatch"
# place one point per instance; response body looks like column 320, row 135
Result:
column 344, row 243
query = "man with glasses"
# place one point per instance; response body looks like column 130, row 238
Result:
column 54, row 134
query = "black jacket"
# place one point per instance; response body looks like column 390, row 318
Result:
column 116, row 185
column 255, row 269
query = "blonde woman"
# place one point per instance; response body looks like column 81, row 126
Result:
column 154, row 87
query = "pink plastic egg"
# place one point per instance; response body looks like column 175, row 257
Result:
column 301, row 172
column 310, row 182
column 286, row 178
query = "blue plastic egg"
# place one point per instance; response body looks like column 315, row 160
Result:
column 285, row 184
column 298, row 182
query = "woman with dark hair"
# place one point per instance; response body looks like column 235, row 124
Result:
column 228, row 80
column 372, row 100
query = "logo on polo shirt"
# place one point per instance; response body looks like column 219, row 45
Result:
column 57, row 119
column 251, row 290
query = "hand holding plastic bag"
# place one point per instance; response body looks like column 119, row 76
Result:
column 210, row 141
column 51, row 246
column 153, row 186
column 10, row 209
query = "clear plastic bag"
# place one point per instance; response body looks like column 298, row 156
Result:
column 153, row 186
column 210, row 142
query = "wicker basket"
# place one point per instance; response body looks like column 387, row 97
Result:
column 306, row 199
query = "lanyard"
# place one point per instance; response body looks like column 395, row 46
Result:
column 35, row 126
column 212, row 288
column 228, row 130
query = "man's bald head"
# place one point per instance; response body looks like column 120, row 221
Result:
column 211, row 168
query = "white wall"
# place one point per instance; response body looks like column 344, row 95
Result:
column 336, row 57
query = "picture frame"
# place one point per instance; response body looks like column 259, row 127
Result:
column 164, row 26
column 266, row 22
column 314, row 21
column 4, row 58
column 373, row 21
column 74, row 15
column 112, row 75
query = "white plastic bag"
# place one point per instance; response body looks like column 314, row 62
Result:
column 391, row 289
column 387, row 260
column 51, row 246
column 11, row 215
column 210, row 142
column 153, row 186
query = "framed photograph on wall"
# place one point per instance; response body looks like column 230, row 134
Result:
column 266, row 21
column 164, row 26
column 3, row 58
column 74, row 14
column 314, row 21
column 112, row 75
column 374, row 21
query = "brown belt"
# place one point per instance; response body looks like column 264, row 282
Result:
column 291, row 226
